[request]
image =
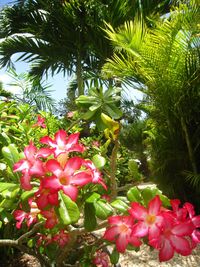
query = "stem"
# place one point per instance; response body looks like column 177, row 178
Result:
column 113, row 166
column 189, row 146
column 72, row 125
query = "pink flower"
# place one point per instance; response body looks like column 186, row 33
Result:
column 51, row 217
column 31, row 165
column 40, row 122
column 196, row 223
column 62, row 143
column 96, row 143
column 66, row 179
column 121, row 232
column 70, row 114
column 173, row 238
column 46, row 196
column 44, row 239
column 30, row 217
column 95, row 173
column 149, row 220
column 61, row 238
column 101, row 259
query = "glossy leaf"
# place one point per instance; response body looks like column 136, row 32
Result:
column 68, row 210
column 90, row 221
column 120, row 205
column 94, row 197
column 103, row 210
column 134, row 195
column 99, row 161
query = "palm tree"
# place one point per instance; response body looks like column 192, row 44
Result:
column 32, row 92
column 65, row 35
column 165, row 61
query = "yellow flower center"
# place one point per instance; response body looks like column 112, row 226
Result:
column 62, row 159
column 63, row 180
column 150, row 219
column 123, row 228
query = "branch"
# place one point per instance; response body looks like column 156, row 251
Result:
column 18, row 244
column 113, row 166
column 72, row 125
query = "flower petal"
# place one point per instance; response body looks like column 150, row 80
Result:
column 154, row 205
column 111, row 233
column 140, row 229
column 138, row 211
column 81, row 179
column 25, row 181
column 51, row 182
column 60, row 138
column 72, row 165
column 183, row 229
column 167, row 251
column 70, row 191
column 121, row 243
column 181, row 245
column 53, row 166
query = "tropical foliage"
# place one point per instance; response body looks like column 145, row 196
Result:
column 62, row 179
column 165, row 61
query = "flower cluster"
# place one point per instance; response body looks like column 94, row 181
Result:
column 168, row 231
column 52, row 169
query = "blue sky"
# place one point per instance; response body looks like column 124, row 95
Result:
column 58, row 82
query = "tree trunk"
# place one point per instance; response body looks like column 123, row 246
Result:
column 79, row 74
column 189, row 146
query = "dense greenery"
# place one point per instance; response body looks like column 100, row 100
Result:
column 165, row 61
column 151, row 46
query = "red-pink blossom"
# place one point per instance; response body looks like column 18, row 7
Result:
column 195, row 236
column 63, row 143
column 46, row 196
column 44, row 239
column 61, row 238
column 96, row 143
column 95, row 173
column 149, row 219
column 31, row 165
column 101, row 259
column 173, row 238
column 30, row 217
column 51, row 217
column 67, row 179
column 40, row 122
column 121, row 232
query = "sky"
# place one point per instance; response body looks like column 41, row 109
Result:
column 58, row 82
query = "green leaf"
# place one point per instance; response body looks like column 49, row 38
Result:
column 7, row 203
column 8, row 186
column 103, row 210
column 93, row 198
column 114, row 256
column 120, row 205
column 10, row 154
column 68, row 210
column 95, row 107
column 99, row 161
column 90, row 221
column 88, row 115
column 134, row 195
column 27, row 194
column 147, row 195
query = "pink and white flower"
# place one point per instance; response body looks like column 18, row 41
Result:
column 31, row 165
column 149, row 219
column 121, row 232
column 67, row 179
column 63, row 143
